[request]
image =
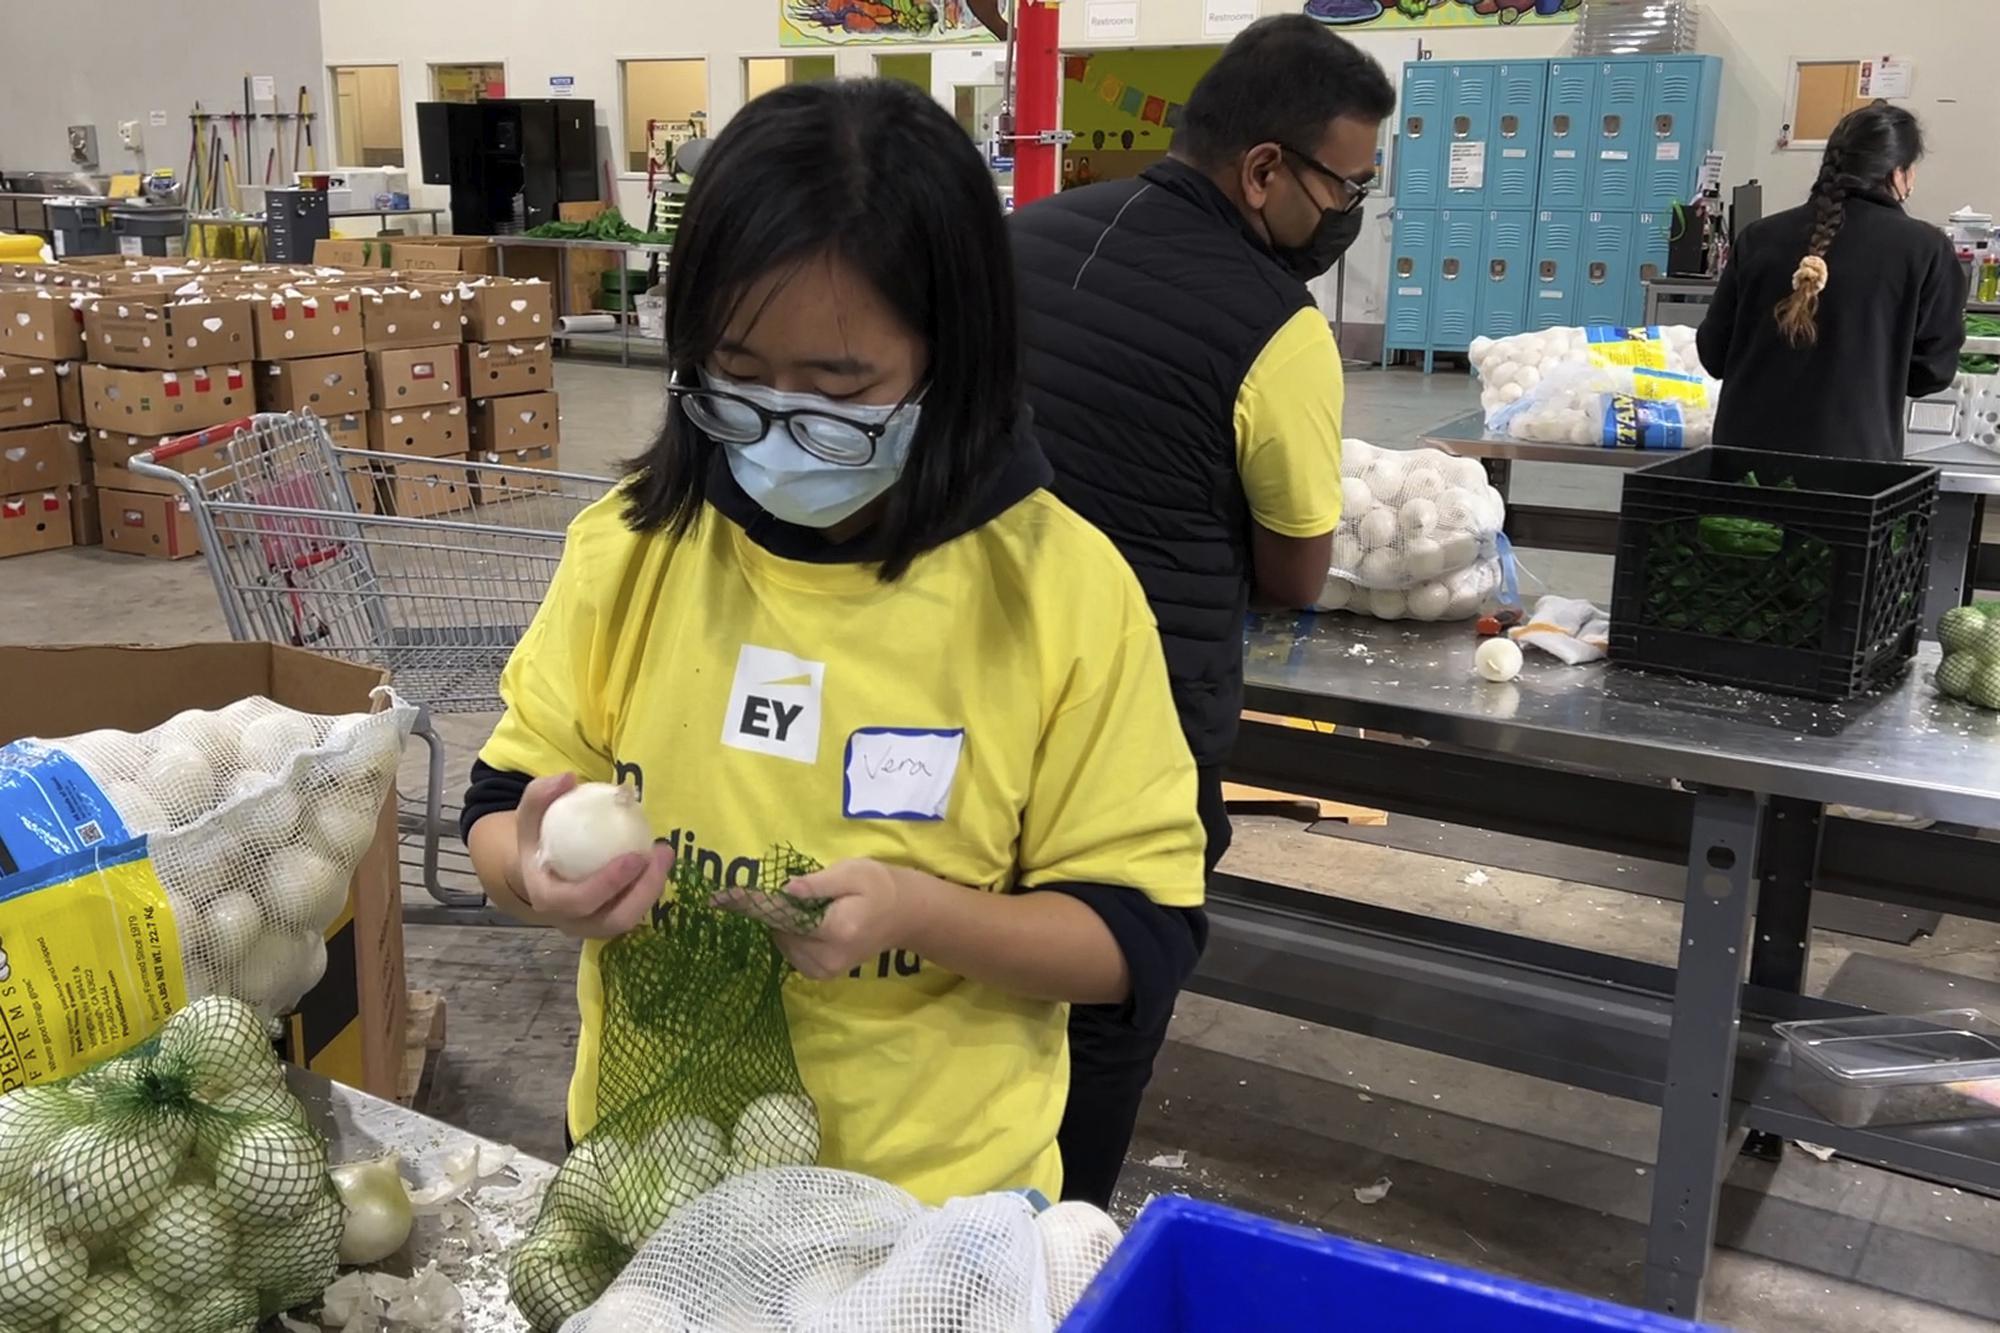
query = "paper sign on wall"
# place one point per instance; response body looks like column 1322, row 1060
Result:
column 562, row 85
column 1226, row 18
column 157, row 119
column 264, row 88
column 1710, row 176
column 1467, row 168
column 1885, row 77
column 1111, row 20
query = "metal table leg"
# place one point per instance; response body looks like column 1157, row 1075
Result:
column 1779, row 948
column 1701, row 1053
column 1954, row 545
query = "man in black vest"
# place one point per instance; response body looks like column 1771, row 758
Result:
column 1187, row 390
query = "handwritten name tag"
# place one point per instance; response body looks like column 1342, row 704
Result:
column 900, row 772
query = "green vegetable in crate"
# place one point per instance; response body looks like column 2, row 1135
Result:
column 135, row 1197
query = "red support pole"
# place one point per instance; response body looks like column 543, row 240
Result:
column 1037, row 98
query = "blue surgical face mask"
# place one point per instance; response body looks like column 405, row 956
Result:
column 792, row 483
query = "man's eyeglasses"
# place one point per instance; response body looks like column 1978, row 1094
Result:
column 1353, row 190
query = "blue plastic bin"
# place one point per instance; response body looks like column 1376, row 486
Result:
column 1192, row 1267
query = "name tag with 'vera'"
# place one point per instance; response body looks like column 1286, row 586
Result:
column 900, row 772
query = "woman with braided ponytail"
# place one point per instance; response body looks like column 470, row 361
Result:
column 1830, row 314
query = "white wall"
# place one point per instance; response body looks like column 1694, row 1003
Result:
column 97, row 62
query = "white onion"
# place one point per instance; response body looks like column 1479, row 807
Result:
column 1336, row 594
column 1381, row 568
column 269, row 1171
column 136, row 806
column 302, row 889
column 185, row 1245
column 375, row 1210
column 778, row 1129
column 1458, row 549
column 1455, row 511
column 1387, row 604
column 591, row 825
column 342, row 829
column 1385, row 477
column 182, row 780
column 271, row 742
column 1077, row 1241
column 41, row 1275
column 1355, row 497
column 1418, row 516
column 1378, row 528
column 234, row 922
column 1347, row 551
column 1498, row 659
column 1428, row 601
column 1423, row 558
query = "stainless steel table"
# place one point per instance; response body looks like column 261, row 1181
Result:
column 563, row 249
column 1727, row 783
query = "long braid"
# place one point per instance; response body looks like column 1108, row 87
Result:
column 1798, row 313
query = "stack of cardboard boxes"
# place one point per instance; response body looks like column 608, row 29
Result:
column 412, row 336
column 44, row 498
column 511, row 371
column 310, row 358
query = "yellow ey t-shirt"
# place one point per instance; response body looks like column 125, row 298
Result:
column 999, row 717
column 1287, row 422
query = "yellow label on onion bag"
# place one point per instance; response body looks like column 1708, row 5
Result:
column 1642, row 348
column 1667, row 386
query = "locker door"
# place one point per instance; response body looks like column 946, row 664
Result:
column 1571, row 99
column 1468, row 130
column 1503, row 273
column 1420, row 135
column 1552, row 286
column 1616, row 138
column 1412, row 242
column 1513, row 151
column 1605, row 274
column 1649, row 261
column 1455, row 274
column 1680, row 120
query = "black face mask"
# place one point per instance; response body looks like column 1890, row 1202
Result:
column 1329, row 241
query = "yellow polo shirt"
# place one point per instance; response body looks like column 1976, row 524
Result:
column 999, row 717
column 1287, row 421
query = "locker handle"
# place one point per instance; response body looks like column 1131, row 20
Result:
column 1450, row 267
column 1547, row 268
column 1598, row 270
column 1496, row 269
column 1413, row 127
column 1614, row 125
column 1510, row 126
column 1405, row 267
column 1461, row 126
column 1663, row 125
column 1649, row 272
column 1559, row 126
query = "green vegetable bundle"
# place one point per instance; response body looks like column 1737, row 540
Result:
column 1980, row 363
column 1739, row 578
column 695, row 1082
column 177, row 1188
column 610, row 225
column 1971, row 667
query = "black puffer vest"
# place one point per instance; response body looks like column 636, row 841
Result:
column 1145, row 302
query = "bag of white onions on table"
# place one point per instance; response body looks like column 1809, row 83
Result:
column 174, row 1189
column 206, row 856
column 1610, row 387
column 1418, row 535
column 795, row 1248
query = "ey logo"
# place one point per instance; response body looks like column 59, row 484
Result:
column 774, row 704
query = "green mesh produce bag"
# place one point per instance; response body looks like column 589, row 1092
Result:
column 177, row 1187
column 695, row 1083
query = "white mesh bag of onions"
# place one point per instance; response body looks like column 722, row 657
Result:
column 794, row 1248
column 255, row 817
column 1558, row 385
column 1417, row 535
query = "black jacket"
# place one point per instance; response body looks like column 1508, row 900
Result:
column 1891, row 321
column 1144, row 305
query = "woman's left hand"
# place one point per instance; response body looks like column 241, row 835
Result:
column 871, row 907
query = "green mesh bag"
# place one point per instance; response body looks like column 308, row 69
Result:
column 695, row 1083
column 177, row 1187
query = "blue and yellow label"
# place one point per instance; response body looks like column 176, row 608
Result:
column 1641, row 348
column 1640, row 423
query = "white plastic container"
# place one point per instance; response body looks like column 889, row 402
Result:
column 1893, row 1069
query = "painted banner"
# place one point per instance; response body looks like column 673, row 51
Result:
column 879, row 22
column 1393, row 14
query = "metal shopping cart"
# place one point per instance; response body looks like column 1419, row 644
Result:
column 429, row 567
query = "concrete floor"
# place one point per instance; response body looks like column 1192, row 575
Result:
column 1488, row 1169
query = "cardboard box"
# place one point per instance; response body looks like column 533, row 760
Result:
column 497, row 310
column 29, row 393
column 315, row 323
column 437, row 431
column 349, row 430
column 370, row 253
column 446, row 254
column 329, row 385
column 86, row 525
column 490, row 486
column 165, row 402
column 69, row 391
column 497, row 368
column 350, row 1027
column 35, row 521
column 409, row 317
column 415, row 376
column 40, row 322
column 111, row 454
column 147, row 523
column 40, row 458
column 427, row 490
column 519, row 421
column 151, row 329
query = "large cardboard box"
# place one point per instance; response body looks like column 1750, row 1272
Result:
column 437, row 431
column 350, row 1027
column 445, row 254
column 501, row 309
column 370, row 253
column 329, row 385
column 111, row 454
column 409, row 317
column 165, row 402
column 34, row 521
column 40, row 322
column 490, row 486
column 147, row 523
column 69, row 390
column 349, row 430
column 30, row 393
column 86, row 525
column 318, row 322
column 497, row 368
column 150, row 328
column 415, row 376
column 40, row 458
column 427, row 490
column 519, row 421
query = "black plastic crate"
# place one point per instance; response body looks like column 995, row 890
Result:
column 1809, row 580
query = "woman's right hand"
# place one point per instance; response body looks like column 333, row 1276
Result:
column 613, row 900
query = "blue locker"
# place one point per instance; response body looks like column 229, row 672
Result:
column 1649, row 261
column 1566, row 128
column 1557, row 251
column 1617, row 138
column 1455, row 279
column 1468, row 128
column 1680, row 127
column 1514, row 142
column 1605, row 275
column 1420, row 136
column 1412, row 241
column 1505, row 259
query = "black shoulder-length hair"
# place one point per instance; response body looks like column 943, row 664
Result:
column 875, row 172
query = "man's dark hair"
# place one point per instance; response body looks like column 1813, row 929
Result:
column 1283, row 80
column 876, row 172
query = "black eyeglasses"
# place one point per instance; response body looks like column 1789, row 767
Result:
column 1356, row 190
column 730, row 418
